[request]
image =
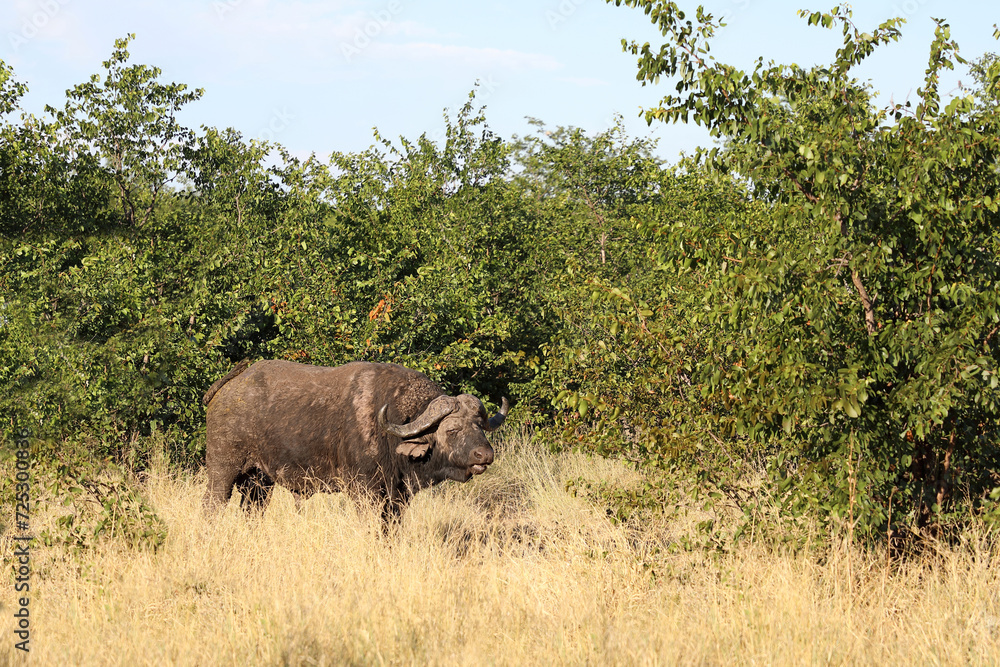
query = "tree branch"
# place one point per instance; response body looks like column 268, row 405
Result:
column 866, row 302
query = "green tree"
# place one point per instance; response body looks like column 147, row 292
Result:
column 867, row 301
column 128, row 122
column 83, row 296
column 11, row 90
column 435, row 241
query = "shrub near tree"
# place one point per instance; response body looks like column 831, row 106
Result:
column 589, row 189
column 852, row 327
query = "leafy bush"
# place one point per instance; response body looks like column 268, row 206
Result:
column 853, row 322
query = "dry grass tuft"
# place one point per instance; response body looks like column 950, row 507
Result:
column 507, row 569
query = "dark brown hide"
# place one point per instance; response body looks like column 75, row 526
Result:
column 237, row 369
column 311, row 428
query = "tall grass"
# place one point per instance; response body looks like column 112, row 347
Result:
column 507, row 569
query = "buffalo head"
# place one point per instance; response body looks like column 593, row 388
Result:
column 449, row 436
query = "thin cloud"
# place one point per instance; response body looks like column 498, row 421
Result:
column 583, row 81
column 479, row 57
column 260, row 33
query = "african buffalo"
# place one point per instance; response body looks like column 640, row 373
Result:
column 380, row 429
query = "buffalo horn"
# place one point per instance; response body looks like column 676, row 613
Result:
column 435, row 412
column 497, row 419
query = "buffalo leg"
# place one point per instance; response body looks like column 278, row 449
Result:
column 392, row 515
column 220, row 488
column 255, row 487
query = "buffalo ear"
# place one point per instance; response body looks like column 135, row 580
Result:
column 414, row 449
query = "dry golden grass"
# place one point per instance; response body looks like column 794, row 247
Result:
column 508, row 569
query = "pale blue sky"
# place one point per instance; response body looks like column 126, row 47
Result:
column 304, row 72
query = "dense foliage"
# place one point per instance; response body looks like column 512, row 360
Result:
column 865, row 296
column 804, row 317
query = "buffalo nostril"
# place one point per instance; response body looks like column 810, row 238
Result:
column 483, row 455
